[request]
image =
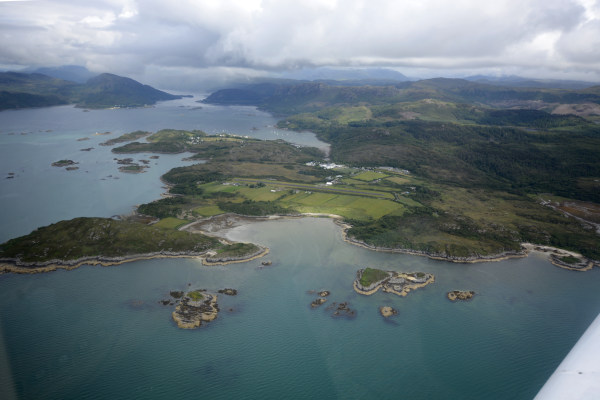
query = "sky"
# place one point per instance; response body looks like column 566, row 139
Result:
column 189, row 43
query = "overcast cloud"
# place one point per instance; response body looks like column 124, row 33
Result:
column 178, row 43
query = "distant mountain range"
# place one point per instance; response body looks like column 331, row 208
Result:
column 23, row 90
column 517, row 81
column 74, row 73
column 328, row 73
column 292, row 92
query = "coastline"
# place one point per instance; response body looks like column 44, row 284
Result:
column 462, row 260
column 263, row 251
column 222, row 222
column 526, row 248
column 13, row 266
column 553, row 253
column 383, row 284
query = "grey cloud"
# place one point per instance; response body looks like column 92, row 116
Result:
column 244, row 35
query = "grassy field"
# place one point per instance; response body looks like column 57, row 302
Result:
column 369, row 176
column 354, row 207
column 207, row 211
column 345, row 115
column 399, row 180
column 306, row 200
column 372, row 275
column 365, row 191
column 171, row 223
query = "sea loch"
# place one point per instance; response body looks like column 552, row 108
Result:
column 102, row 333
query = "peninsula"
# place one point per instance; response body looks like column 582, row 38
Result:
column 23, row 90
column 104, row 241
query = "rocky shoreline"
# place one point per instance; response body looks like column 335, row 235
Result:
column 387, row 311
column 16, row 266
column 190, row 313
column 556, row 256
column 584, row 263
column 434, row 256
column 398, row 283
column 195, row 307
column 214, row 260
column 213, row 226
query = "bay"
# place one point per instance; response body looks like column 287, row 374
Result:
column 33, row 193
column 102, row 333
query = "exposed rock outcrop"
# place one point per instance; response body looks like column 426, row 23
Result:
column 460, row 295
column 195, row 308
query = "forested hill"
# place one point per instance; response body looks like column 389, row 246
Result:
column 20, row 90
column 289, row 97
column 450, row 131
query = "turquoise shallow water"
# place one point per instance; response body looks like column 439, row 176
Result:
column 100, row 333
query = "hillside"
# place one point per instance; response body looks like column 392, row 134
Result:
column 20, row 90
column 489, row 166
column 74, row 73
column 289, row 97
column 108, row 90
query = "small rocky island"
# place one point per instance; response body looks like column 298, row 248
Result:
column 369, row 280
column 341, row 310
column 321, row 299
column 63, row 163
column 460, row 295
column 195, row 307
column 387, row 311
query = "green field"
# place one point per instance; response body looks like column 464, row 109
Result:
column 171, row 223
column 372, row 275
column 353, row 207
column 369, row 176
column 207, row 211
column 400, row 180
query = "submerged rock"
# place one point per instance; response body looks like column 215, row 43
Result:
column 342, row 310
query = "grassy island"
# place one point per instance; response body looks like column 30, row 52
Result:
column 369, row 280
column 128, row 137
column 63, row 163
column 370, row 276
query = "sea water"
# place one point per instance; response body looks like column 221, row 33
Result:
column 33, row 193
column 102, row 332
